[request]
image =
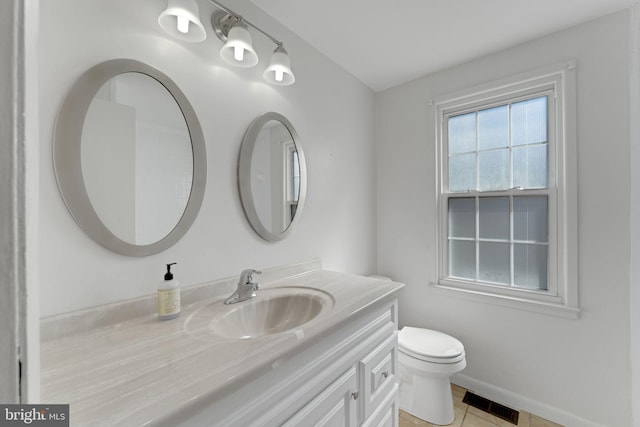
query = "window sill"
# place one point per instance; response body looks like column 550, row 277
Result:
column 542, row 307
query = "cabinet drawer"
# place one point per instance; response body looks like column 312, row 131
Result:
column 378, row 374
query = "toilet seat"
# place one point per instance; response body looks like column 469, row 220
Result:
column 430, row 346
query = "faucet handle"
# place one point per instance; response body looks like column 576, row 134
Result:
column 246, row 277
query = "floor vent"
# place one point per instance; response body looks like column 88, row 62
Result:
column 492, row 408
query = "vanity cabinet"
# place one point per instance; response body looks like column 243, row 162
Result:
column 371, row 382
column 346, row 378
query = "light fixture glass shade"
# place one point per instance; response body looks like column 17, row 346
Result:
column 279, row 70
column 238, row 50
column 180, row 19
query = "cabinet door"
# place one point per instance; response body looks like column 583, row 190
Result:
column 335, row 406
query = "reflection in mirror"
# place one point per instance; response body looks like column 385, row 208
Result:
column 129, row 157
column 137, row 162
column 272, row 176
column 275, row 176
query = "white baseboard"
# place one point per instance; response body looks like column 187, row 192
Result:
column 520, row 402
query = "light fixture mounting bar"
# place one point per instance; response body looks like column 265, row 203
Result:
column 240, row 18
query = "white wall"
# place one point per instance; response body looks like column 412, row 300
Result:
column 330, row 109
column 573, row 371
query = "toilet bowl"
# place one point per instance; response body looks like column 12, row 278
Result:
column 426, row 361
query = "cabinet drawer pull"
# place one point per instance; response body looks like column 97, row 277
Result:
column 385, row 374
column 355, row 395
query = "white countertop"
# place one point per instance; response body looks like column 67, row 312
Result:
column 142, row 371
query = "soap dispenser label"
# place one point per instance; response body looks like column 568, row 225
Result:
column 168, row 302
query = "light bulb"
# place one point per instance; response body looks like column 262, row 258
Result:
column 279, row 75
column 238, row 53
column 183, row 24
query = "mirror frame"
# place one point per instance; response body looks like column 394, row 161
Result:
column 244, row 176
column 67, row 165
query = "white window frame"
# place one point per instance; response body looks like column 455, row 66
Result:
column 557, row 82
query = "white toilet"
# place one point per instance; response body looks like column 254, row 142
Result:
column 426, row 361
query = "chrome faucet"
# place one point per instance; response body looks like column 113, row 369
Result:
column 246, row 287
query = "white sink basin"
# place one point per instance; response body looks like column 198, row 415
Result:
column 272, row 311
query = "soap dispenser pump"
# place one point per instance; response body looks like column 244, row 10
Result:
column 169, row 296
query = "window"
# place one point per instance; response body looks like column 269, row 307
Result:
column 507, row 190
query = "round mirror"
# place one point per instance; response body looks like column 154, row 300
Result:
column 129, row 157
column 272, row 176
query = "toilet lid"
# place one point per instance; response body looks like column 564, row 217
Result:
column 429, row 344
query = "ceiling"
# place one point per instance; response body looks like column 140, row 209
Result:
column 386, row 43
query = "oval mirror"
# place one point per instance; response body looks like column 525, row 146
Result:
column 272, row 176
column 129, row 157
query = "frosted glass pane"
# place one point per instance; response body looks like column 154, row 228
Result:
column 462, row 172
column 529, row 121
column 493, row 128
column 530, row 166
column 530, row 266
column 462, row 217
column 462, row 133
column 493, row 171
column 494, row 263
column 494, row 218
column 462, row 259
column 530, row 219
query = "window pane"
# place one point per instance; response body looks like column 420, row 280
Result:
column 494, row 218
column 462, row 217
column 494, row 263
column 462, row 259
column 530, row 166
column 530, row 266
column 530, row 219
column 493, row 128
column 529, row 121
column 462, row 172
column 462, row 133
column 494, row 170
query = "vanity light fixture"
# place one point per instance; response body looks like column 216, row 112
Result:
column 279, row 70
column 238, row 50
column 180, row 20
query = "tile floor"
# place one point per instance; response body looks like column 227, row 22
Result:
column 468, row 416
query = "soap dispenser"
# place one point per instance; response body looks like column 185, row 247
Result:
column 169, row 296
